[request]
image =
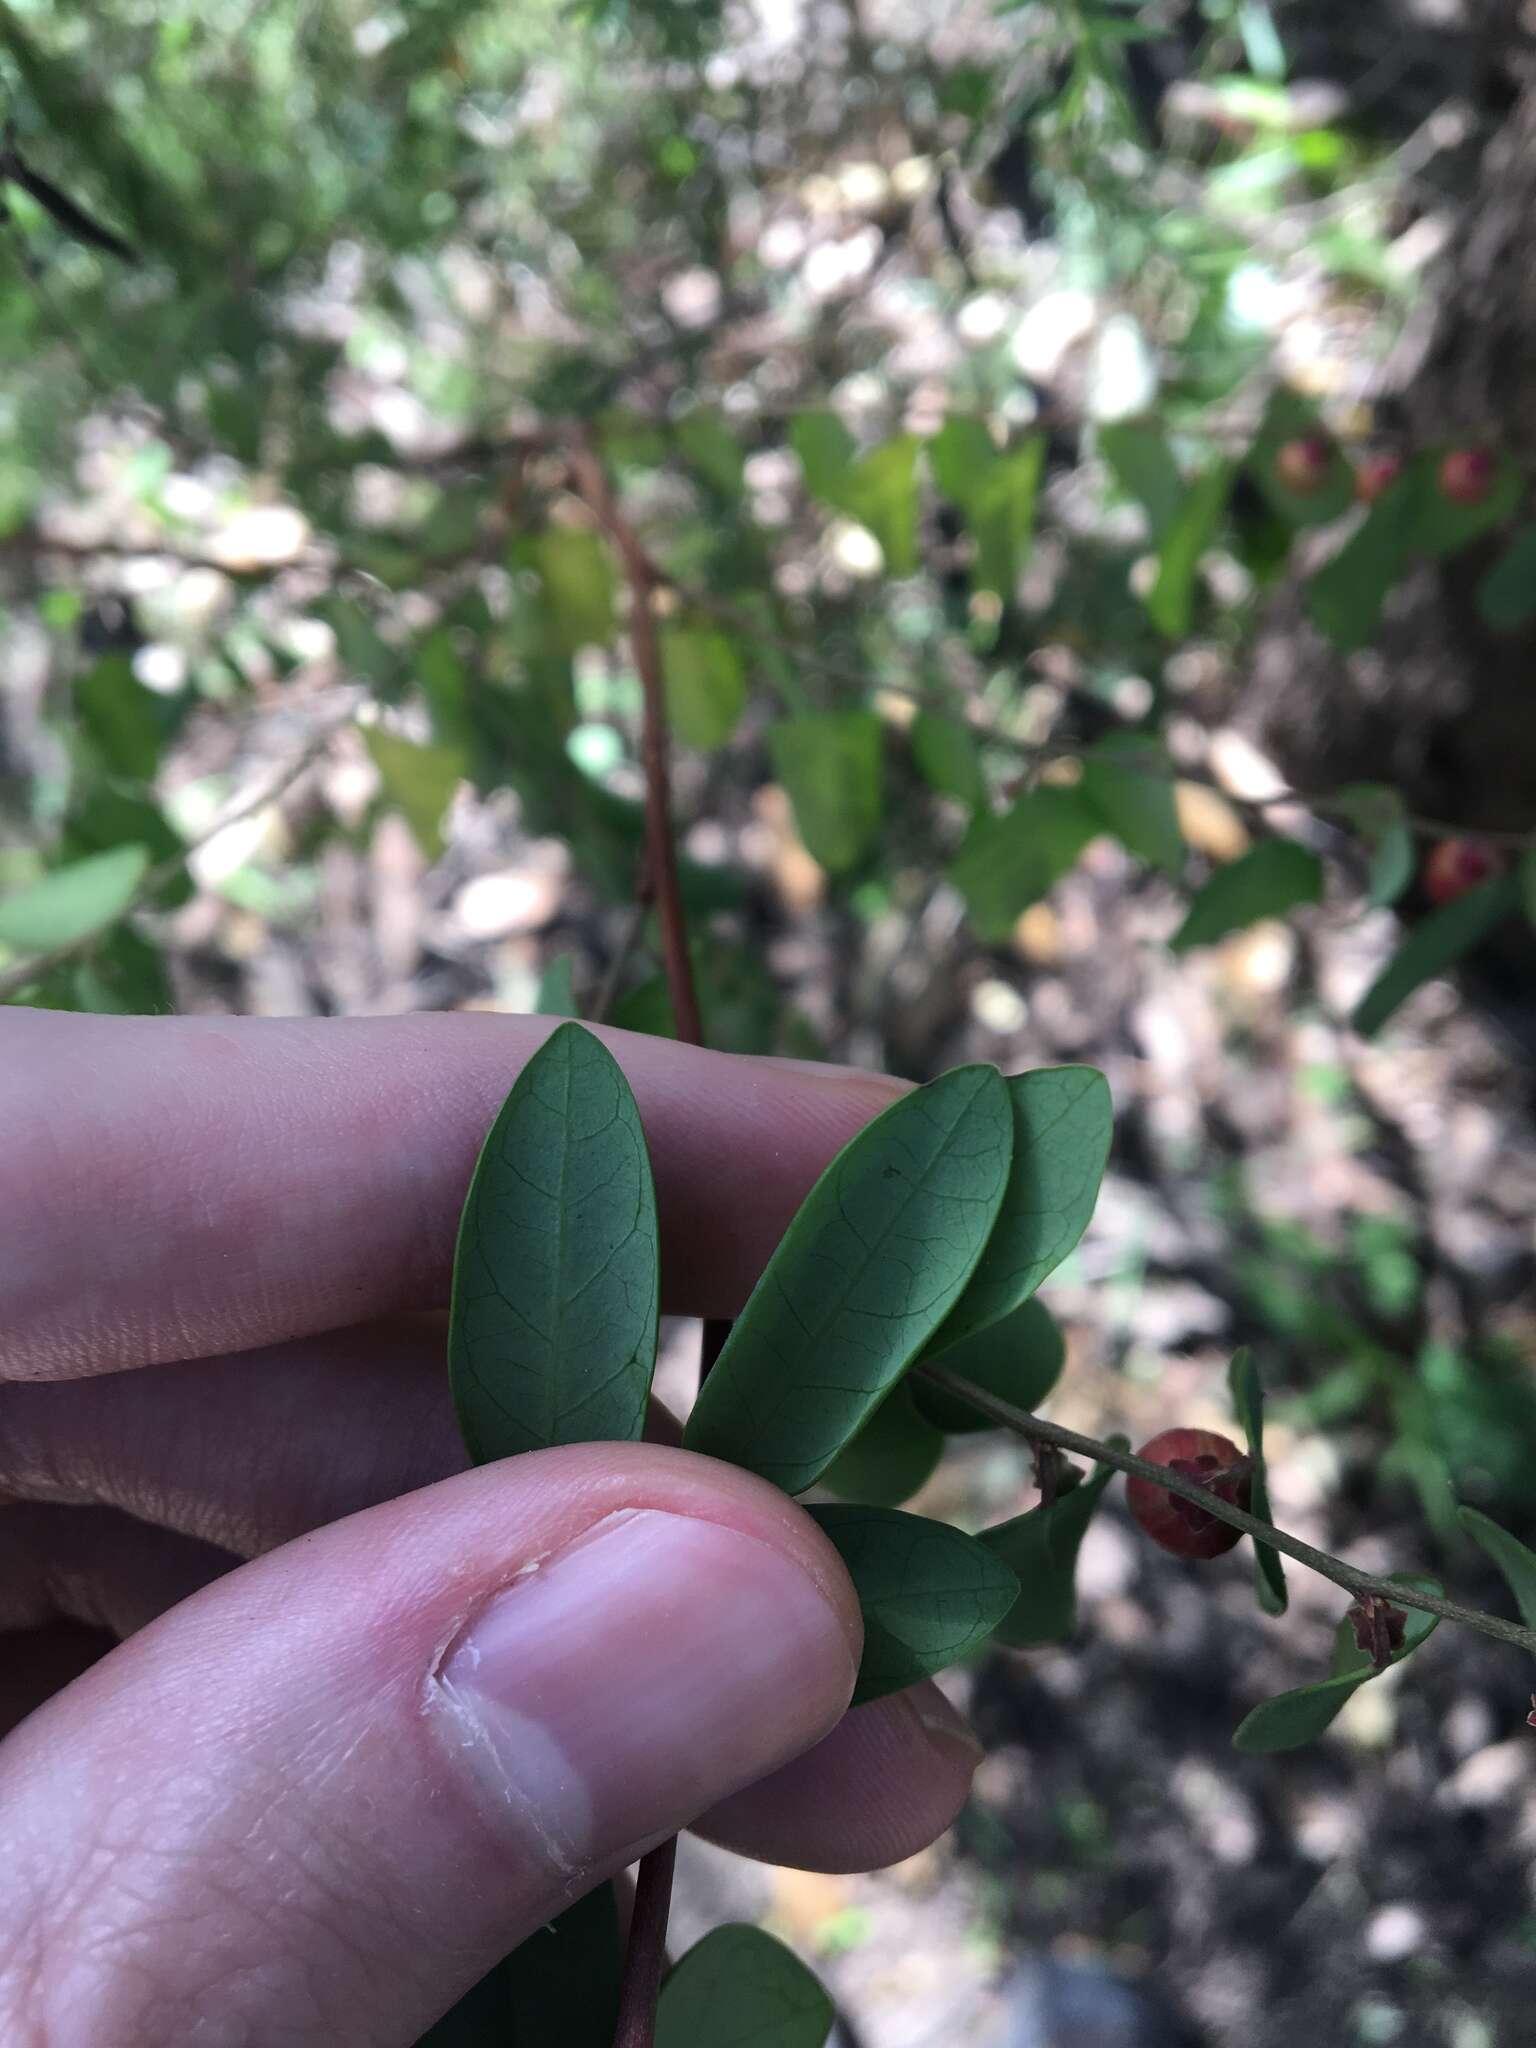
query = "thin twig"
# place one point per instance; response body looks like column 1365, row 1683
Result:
column 15, row 978
column 1346, row 1575
column 661, row 848
column 646, row 1954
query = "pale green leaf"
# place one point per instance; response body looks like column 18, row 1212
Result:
column 1433, row 948
column 419, row 781
column 68, row 904
column 929, row 1594
column 552, row 1335
column 706, row 685
column 873, row 1261
column 576, row 578
column 739, row 1988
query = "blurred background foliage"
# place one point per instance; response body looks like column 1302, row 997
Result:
column 1031, row 421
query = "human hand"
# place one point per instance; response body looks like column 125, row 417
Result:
column 313, row 1798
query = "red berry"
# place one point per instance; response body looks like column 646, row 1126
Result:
column 1177, row 1524
column 1304, row 466
column 1376, row 474
column 1453, row 866
column 1466, row 475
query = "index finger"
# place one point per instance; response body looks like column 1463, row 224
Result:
column 176, row 1186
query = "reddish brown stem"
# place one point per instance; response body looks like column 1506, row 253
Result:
column 646, row 1955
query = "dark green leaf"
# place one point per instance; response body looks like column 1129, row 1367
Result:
column 705, row 684
column 575, row 572
column 1001, row 516
column 830, row 763
column 1170, row 606
column 106, row 816
column 1294, row 1718
column 1129, row 781
column 1248, row 1400
column 561, row 1985
column 946, row 758
column 1378, row 814
column 1010, row 862
column 891, row 1457
column 1514, row 1560
column 1019, row 1359
column 124, row 976
column 876, row 1256
column 556, row 995
column 960, row 452
column 1137, row 452
column 929, row 1595
column 1346, row 596
column 445, row 685
column 552, row 1336
column 419, row 781
column 1290, row 418
column 1277, row 876
column 1525, row 877
column 359, row 647
column 71, row 902
column 1433, row 948
column 1443, row 526
column 711, row 450
column 1506, row 597
column 739, row 1988
column 121, row 718
column 1041, row 1548
column 1063, row 1121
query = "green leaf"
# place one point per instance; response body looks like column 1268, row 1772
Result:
column 960, row 452
column 739, row 1988
column 1142, row 464
column 946, row 758
column 1433, row 948
column 359, row 647
column 71, row 902
column 1378, row 814
column 575, row 572
column 874, row 1259
column 891, row 1457
column 121, row 718
column 556, row 995
column 1041, row 1548
column 1346, row 596
column 561, row 1985
column 929, row 1595
column 1506, row 597
column 552, row 1335
column 419, row 781
column 1525, row 877
column 880, row 491
column 996, row 490
column 1063, row 1121
column 825, row 449
column 706, row 685
column 1294, row 1718
column 1011, row 861
column 1275, row 877
column 830, row 763
column 711, row 450
column 1170, row 605
column 1289, row 417
column 1514, row 1560
column 1129, row 781
column 1019, row 1359
column 1443, row 526
column 1248, row 1400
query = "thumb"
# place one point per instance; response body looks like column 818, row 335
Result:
column 321, row 1798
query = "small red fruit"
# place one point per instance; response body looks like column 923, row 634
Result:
column 1376, row 474
column 1177, row 1524
column 1304, row 466
column 1453, row 866
column 1466, row 475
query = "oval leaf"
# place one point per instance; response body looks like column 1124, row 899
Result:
column 1129, row 782
column 892, row 1455
column 706, row 687
column 1170, row 606
column 739, row 1988
column 1506, row 597
column 69, row 904
column 946, row 758
column 1514, row 1560
column 1294, row 1718
column 1011, row 861
column 1433, row 947
column 1346, row 596
column 1018, row 1358
column 1041, row 1548
column 873, row 1261
column 419, row 781
column 830, row 765
column 552, row 1335
column 1248, row 1400
column 1277, row 876
column 929, row 1594
column 1063, row 1121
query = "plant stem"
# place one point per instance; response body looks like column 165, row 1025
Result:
column 1346, row 1575
column 647, row 1950
column 661, row 849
